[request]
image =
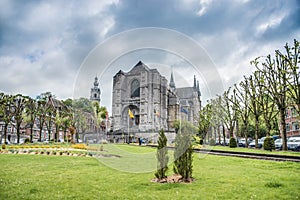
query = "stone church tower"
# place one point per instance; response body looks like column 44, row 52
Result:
column 95, row 91
column 143, row 91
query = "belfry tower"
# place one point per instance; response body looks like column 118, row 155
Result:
column 95, row 91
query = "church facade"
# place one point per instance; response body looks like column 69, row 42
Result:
column 144, row 101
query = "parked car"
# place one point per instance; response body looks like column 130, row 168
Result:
column 242, row 142
column 259, row 143
column 293, row 143
column 21, row 141
column 275, row 137
column 226, row 141
column 7, row 141
column 278, row 144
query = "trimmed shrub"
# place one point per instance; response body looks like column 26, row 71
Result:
column 162, row 156
column 26, row 140
column 183, row 160
column 79, row 146
column 3, row 146
column 269, row 144
column 212, row 142
column 232, row 143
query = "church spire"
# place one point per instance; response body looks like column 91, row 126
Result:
column 195, row 82
column 198, row 89
column 172, row 83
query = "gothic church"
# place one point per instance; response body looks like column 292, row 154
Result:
column 152, row 102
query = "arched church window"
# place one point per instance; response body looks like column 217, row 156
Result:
column 135, row 88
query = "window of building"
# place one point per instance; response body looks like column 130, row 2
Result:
column 294, row 112
column 286, row 113
column 135, row 88
column 287, row 126
column 295, row 126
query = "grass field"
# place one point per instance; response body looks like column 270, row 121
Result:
column 217, row 177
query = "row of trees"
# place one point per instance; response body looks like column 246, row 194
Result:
column 47, row 112
column 260, row 99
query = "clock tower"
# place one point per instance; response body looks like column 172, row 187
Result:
column 95, row 91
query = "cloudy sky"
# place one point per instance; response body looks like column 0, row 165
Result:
column 60, row 46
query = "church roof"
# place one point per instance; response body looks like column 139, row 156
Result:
column 185, row 92
column 140, row 66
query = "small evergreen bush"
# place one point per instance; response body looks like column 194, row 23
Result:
column 201, row 141
column 183, row 159
column 162, row 156
column 269, row 144
column 232, row 143
column 212, row 142
column 26, row 140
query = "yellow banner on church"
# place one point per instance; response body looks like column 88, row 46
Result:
column 130, row 114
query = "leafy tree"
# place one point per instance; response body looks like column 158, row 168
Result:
column 216, row 119
column 84, row 104
column 31, row 113
column 45, row 96
column 162, row 156
column 205, row 118
column 176, row 125
column 99, row 113
column 6, row 111
column 19, row 103
column 58, row 122
column 80, row 121
column 66, row 122
column 41, row 111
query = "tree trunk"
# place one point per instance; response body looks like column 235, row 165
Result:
column 18, row 132
column 224, row 137
column 40, row 134
column 256, row 131
column 5, row 132
column 219, row 135
column 231, row 131
column 49, row 133
column 246, row 133
column 56, row 133
column 268, row 125
column 283, row 129
column 31, row 132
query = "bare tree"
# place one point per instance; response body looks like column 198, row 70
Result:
column 276, row 82
column 243, row 105
column 229, row 115
column 267, row 105
column 291, row 59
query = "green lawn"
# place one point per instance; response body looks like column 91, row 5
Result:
column 217, row 177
